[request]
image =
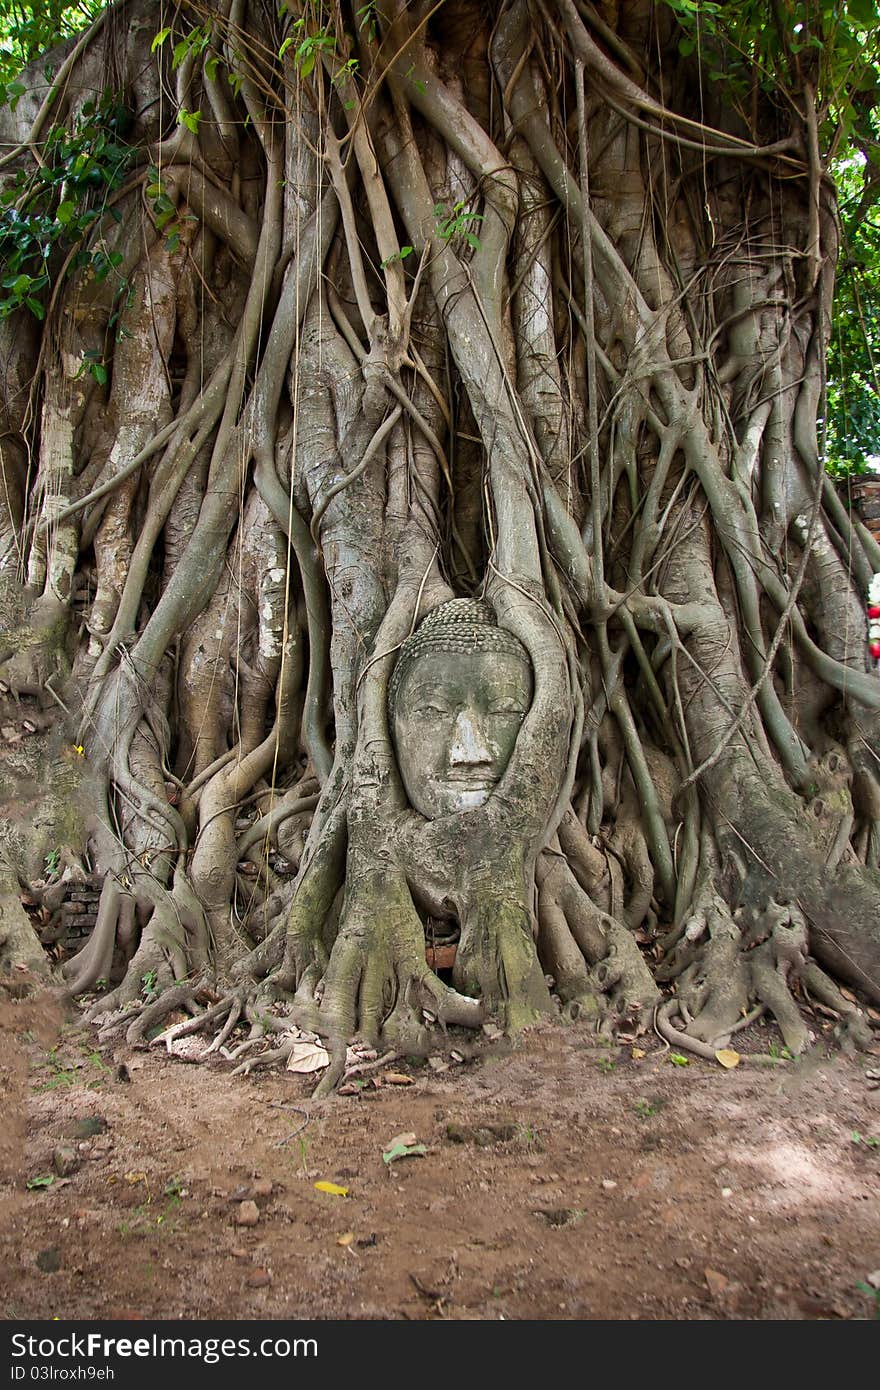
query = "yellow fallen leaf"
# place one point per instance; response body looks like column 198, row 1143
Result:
column 135, row 1177
column 397, row 1078
column 346, row 1239
column 637, row 1054
column 727, row 1057
column 332, row 1187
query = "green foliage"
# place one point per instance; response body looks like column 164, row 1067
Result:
column 44, row 1180
column 309, row 46
column 27, row 30
column 869, row 1140
column 872, row 1293
column 53, row 207
column 457, row 223
column 854, row 350
column 831, row 47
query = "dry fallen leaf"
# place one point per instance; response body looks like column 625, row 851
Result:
column 727, row 1057
column 638, row 1053
column 346, row 1239
column 332, row 1187
column 397, row 1078
column 307, row 1056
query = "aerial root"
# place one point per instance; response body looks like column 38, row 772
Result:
column 230, row 1006
column 683, row 1042
column 138, row 1021
column 178, row 996
column 854, row 1029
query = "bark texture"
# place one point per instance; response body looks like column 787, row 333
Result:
column 422, row 302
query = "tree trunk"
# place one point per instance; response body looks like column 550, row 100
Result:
column 391, row 306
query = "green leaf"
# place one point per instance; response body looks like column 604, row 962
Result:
column 190, row 119
column 307, row 64
column 678, row 1060
column 99, row 372
column 211, row 65
column 36, row 308
column 863, row 12
column 46, row 1180
column 159, row 39
column 65, row 212
column 403, row 1151
column 284, row 47
column 686, row 47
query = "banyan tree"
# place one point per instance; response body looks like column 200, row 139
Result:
column 424, row 604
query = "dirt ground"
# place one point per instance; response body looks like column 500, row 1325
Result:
column 559, row 1181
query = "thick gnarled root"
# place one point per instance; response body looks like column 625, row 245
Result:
column 726, row 979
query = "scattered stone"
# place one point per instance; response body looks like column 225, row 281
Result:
column 727, row 1192
column 438, row 1064
column 65, row 1161
column 259, row 1279
column 49, row 1261
column 239, row 1253
column 262, row 1187
column 122, row 1073
column 715, row 1282
column 609, row 1184
column 874, row 1279
column 482, row 1135
column 560, row 1216
column 88, row 1126
column 248, row 1214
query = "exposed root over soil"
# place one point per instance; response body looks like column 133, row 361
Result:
column 480, row 303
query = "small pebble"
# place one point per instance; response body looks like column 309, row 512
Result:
column 88, row 1126
column 262, row 1187
column 727, row 1192
column 248, row 1214
column 65, row 1161
column 608, row 1184
column 260, row 1279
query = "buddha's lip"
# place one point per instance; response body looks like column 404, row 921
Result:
column 473, row 779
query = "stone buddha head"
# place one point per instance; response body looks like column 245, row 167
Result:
column 458, row 695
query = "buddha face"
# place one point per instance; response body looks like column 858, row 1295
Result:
column 455, row 721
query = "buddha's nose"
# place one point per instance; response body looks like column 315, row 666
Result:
column 469, row 746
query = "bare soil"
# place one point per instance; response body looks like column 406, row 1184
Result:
column 560, row 1181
